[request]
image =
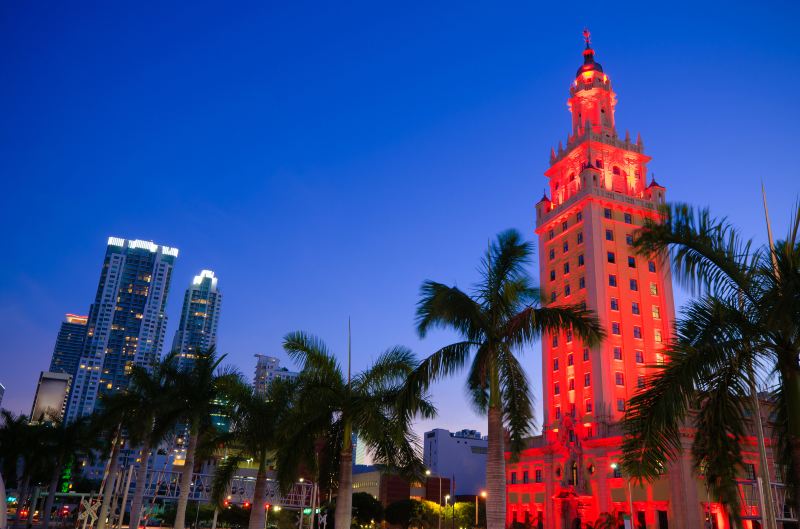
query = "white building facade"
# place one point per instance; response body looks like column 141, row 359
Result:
column 459, row 456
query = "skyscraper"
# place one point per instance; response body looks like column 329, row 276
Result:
column 69, row 345
column 50, row 400
column 598, row 198
column 268, row 368
column 126, row 322
column 199, row 318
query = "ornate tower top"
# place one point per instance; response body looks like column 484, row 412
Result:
column 589, row 63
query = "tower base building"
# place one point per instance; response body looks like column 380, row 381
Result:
column 569, row 475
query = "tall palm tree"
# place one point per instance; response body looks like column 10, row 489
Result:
column 745, row 319
column 375, row 404
column 501, row 317
column 64, row 441
column 199, row 390
column 256, row 432
column 151, row 398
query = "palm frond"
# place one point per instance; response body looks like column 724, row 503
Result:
column 529, row 324
column 517, row 401
column 448, row 307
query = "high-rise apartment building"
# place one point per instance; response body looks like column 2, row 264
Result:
column 268, row 368
column 69, row 345
column 459, row 456
column 50, row 400
column 127, row 320
column 598, row 198
column 2, row 392
column 197, row 330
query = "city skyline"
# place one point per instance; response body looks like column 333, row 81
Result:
column 487, row 117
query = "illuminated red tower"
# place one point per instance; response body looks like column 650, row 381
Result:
column 569, row 473
column 600, row 196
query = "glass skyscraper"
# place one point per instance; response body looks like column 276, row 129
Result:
column 127, row 320
column 199, row 318
column 69, row 345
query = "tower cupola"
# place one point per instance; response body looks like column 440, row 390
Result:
column 592, row 100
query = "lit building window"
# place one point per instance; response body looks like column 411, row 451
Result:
column 656, row 312
column 653, row 289
column 617, row 353
column 657, row 334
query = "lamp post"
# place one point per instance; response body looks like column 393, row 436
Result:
column 428, row 473
column 483, row 495
column 453, row 517
column 615, row 466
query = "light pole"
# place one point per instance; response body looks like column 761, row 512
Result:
column 452, row 518
column 428, row 473
column 615, row 466
column 483, row 495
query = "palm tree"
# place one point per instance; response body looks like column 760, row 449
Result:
column 64, row 441
column 375, row 404
column 744, row 320
column 199, row 389
column 16, row 440
column 151, row 398
column 256, row 432
column 500, row 318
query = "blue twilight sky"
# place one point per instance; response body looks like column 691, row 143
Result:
column 324, row 158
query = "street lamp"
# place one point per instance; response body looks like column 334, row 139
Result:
column 453, row 516
column 615, row 466
column 483, row 495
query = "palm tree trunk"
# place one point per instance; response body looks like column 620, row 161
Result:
column 51, row 495
column 138, row 494
column 344, row 494
column 259, row 496
column 108, row 490
column 3, row 504
column 21, row 498
column 186, row 480
column 495, row 459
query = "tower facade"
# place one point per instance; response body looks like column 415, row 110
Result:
column 69, row 345
column 268, row 368
column 598, row 197
column 197, row 330
column 127, row 320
